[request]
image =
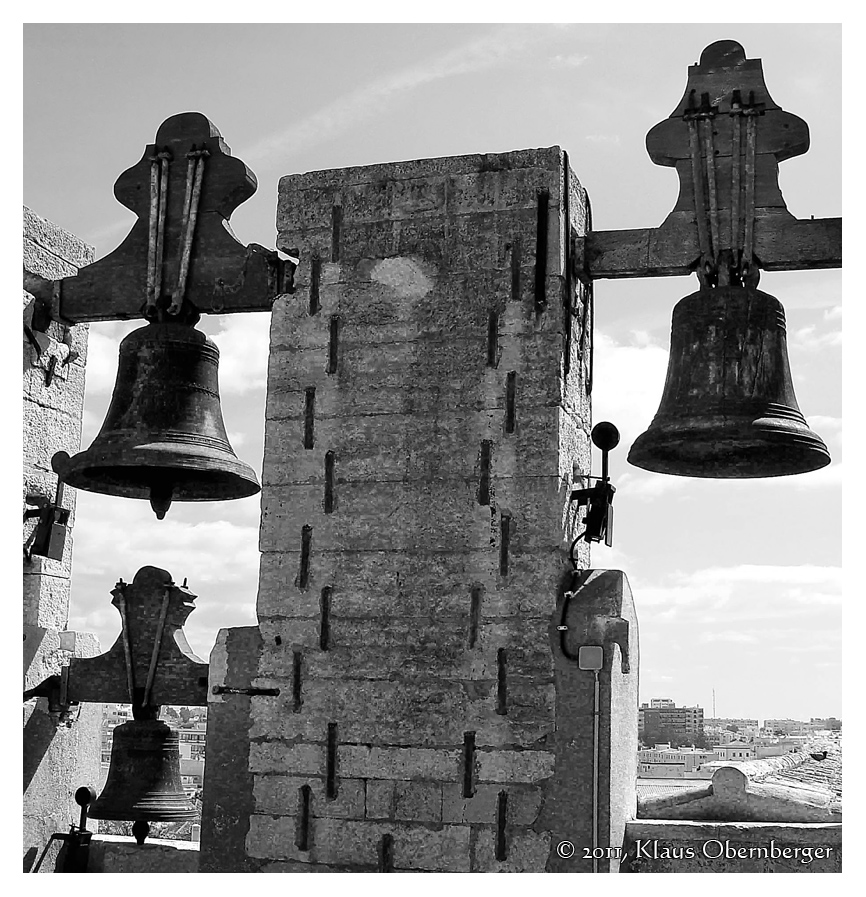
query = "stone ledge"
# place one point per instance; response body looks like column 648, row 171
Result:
column 114, row 853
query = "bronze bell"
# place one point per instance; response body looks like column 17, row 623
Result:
column 144, row 783
column 728, row 408
column 163, row 438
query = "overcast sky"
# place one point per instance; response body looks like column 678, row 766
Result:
column 737, row 583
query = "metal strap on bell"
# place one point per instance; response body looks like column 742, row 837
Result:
column 728, row 409
column 144, row 783
column 163, row 438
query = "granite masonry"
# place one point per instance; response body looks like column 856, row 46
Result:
column 59, row 754
column 427, row 413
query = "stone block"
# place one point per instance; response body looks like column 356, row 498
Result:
column 525, row 850
column 63, row 388
column 400, row 763
column 399, row 299
column 380, row 799
column 527, row 767
column 417, row 197
column 404, row 801
column 368, row 709
column 65, row 247
column 46, row 600
column 49, row 430
column 345, row 842
column 425, row 515
column 377, row 516
column 277, row 757
column 523, row 804
column 279, row 795
column 411, row 712
column 115, row 854
column 376, row 584
column 402, row 447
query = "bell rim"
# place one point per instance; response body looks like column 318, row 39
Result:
column 227, row 478
column 706, row 453
column 144, row 813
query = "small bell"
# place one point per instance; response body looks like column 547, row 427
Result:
column 144, row 783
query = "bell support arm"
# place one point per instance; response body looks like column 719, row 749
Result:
column 670, row 250
column 181, row 259
column 725, row 139
column 150, row 664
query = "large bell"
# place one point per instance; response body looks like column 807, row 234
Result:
column 163, row 438
column 728, row 407
column 144, row 783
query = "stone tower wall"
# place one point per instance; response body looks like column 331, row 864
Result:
column 57, row 758
column 426, row 403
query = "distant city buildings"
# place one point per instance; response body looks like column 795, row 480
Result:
column 679, row 742
column 787, row 726
column 661, row 718
column 726, row 722
column 665, row 762
column 736, row 750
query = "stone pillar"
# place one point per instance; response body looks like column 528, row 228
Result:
column 597, row 611
column 59, row 755
column 427, row 406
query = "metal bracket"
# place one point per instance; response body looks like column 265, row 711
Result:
column 48, row 539
column 598, row 498
column 251, row 692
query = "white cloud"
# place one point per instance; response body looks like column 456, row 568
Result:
column 736, row 587
column 808, row 339
column 243, row 342
column 502, row 45
column 103, row 348
column 728, row 635
column 628, row 382
column 572, row 60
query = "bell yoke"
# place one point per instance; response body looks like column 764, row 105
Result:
column 164, row 438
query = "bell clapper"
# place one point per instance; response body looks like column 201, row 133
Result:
column 140, row 831
column 160, row 499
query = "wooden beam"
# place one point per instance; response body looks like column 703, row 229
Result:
column 781, row 244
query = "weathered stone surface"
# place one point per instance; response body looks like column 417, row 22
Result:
column 416, row 617
column 51, row 430
column 530, row 767
column 399, row 299
column 63, row 248
column 310, row 867
column 526, row 850
column 277, row 757
column 438, row 659
column 401, row 447
column 404, row 801
column 427, row 515
column 227, row 799
column 57, row 759
column 279, row 795
column 347, row 842
column 422, row 376
column 391, row 584
column 46, row 600
column 523, row 804
column 115, row 854
column 402, row 764
column 602, row 613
